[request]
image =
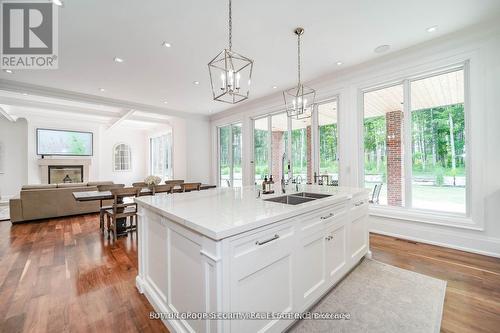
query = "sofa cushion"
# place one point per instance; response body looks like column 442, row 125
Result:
column 66, row 185
column 99, row 183
column 38, row 186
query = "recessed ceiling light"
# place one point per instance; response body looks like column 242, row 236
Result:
column 382, row 48
column 165, row 102
column 166, row 44
column 57, row 2
column 432, row 29
column 117, row 59
column 102, row 89
column 339, row 63
column 275, row 87
column 8, row 71
column 25, row 94
column 196, row 83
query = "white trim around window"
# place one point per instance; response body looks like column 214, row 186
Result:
column 469, row 220
column 123, row 153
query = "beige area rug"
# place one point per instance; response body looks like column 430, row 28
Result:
column 381, row 298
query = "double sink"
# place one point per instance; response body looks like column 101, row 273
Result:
column 297, row 198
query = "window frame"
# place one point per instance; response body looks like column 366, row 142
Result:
column 169, row 154
column 230, row 152
column 408, row 212
column 316, row 135
column 315, row 151
column 129, row 149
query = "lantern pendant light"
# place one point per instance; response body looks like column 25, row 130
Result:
column 299, row 100
column 230, row 73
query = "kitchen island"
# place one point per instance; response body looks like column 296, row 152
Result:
column 232, row 252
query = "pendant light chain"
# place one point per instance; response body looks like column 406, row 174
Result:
column 298, row 57
column 230, row 27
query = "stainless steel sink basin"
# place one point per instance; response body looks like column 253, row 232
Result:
column 311, row 195
column 290, row 199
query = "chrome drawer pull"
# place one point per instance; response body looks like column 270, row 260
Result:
column 267, row 241
column 327, row 216
column 359, row 203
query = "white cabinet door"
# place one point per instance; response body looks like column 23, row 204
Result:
column 335, row 253
column 154, row 242
column 262, row 278
column 310, row 271
column 359, row 237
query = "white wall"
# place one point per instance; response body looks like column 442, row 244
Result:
column 198, row 151
column 13, row 137
column 52, row 122
column 101, row 167
column 480, row 45
column 138, row 142
column 191, row 149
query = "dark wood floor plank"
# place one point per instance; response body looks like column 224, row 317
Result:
column 61, row 275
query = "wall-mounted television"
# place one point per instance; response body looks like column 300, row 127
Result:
column 63, row 143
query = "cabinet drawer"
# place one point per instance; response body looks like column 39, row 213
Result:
column 313, row 222
column 359, row 208
column 261, row 247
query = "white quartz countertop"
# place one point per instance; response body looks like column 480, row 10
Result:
column 223, row 212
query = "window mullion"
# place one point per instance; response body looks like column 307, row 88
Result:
column 407, row 137
column 270, row 145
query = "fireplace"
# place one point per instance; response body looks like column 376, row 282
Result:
column 65, row 174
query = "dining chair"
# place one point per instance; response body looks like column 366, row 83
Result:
column 174, row 182
column 140, row 184
column 102, row 207
column 167, row 188
column 188, row 187
column 376, row 194
column 121, row 209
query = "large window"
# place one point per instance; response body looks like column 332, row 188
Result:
column 301, row 149
column 432, row 175
column 270, row 147
column 328, row 140
column 230, row 145
column 438, row 143
column 383, row 140
column 261, row 149
column 279, row 146
column 161, row 156
column 281, row 141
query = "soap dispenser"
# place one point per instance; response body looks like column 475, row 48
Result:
column 270, row 188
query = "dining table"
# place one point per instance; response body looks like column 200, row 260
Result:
column 121, row 226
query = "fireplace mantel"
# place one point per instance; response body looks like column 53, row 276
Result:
column 44, row 163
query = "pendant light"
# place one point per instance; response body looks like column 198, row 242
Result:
column 230, row 73
column 300, row 99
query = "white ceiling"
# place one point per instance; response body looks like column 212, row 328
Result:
column 92, row 32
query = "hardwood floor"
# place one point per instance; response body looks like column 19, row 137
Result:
column 61, row 275
column 472, row 301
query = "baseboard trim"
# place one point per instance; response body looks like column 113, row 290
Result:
column 443, row 244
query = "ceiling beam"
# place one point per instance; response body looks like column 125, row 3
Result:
column 7, row 115
column 36, row 90
column 26, row 103
column 122, row 118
